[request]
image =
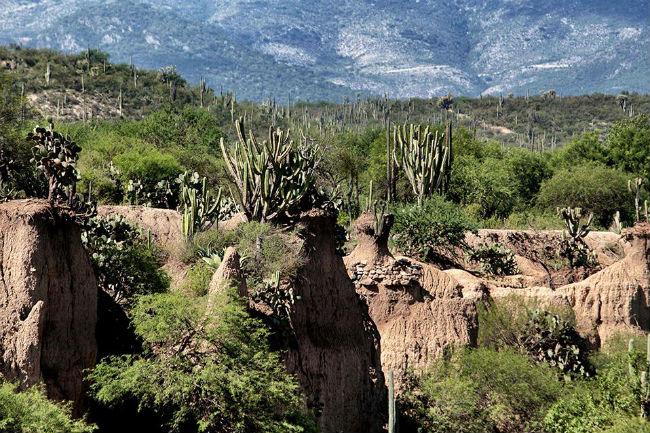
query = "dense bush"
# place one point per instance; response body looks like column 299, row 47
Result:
column 125, row 263
column 545, row 336
column 495, row 259
column 30, row 411
column 266, row 251
column 431, row 232
column 628, row 144
column 592, row 187
column 480, row 390
column 204, row 372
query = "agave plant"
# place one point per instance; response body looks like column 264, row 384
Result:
column 274, row 178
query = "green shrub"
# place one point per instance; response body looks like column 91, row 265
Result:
column 527, row 170
column 204, row 372
column 208, row 243
column 266, row 251
column 124, row 263
column 197, row 280
column 628, row 143
column 592, row 187
column 495, row 259
column 480, row 390
column 545, row 336
column 488, row 184
column 578, row 412
column 30, row 411
column 431, row 232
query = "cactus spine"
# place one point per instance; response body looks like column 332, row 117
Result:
column 424, row 158
column 274, row 177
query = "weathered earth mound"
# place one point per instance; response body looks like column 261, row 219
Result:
column 418, row 310
column 616, row 299
column 611, row 301
column 48, row 296
column 336, row 354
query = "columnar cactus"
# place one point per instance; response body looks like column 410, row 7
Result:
column 56, row 156
column 634, row 185
column 424, row 157
column 641, row 378
column 273, row 178
column 199, row 207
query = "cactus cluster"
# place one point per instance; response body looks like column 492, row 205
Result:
column 424, row 157
column 199, row 206
column 274, row 178
column 56, row 157
column 574, row 248
column 6, row 192
column 641, row 377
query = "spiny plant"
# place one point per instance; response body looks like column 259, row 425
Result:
column 634, row 185
column 199, row 206
column 6, row 191
column 377, row 208
column 56, row 157
column 274, row 178
column 424, row 157
column 495, row 259
column 574, row 247
column 641, row 377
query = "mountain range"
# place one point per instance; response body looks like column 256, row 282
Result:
column 332, row 49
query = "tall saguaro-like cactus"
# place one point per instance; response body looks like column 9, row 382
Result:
column 424, row 157
column 274, row 177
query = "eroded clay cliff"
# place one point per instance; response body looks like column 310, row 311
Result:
column 335, row 353
column 48, row 300
column 418, row 310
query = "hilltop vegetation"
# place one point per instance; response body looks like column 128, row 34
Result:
column 193, row 359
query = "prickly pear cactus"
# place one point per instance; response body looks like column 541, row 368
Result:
column 56, row 157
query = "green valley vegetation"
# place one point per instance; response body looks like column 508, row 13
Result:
column 442, row 168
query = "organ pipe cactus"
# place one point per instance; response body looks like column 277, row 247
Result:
column 273, row 178
column 56, row 156
column 641, row 377
column 424, row 158
column 634, row 185
column 199, row 207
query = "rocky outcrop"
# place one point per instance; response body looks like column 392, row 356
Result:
column 48, row 299
column 418, row 310
column 616, row 299
column 335, row 353
column 538, row 245
column 229, row 274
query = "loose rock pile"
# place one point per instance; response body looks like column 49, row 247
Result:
column 400, row 272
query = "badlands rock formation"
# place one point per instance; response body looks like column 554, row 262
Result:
column 418, row 310
column 48, row 300
column 335, row 354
